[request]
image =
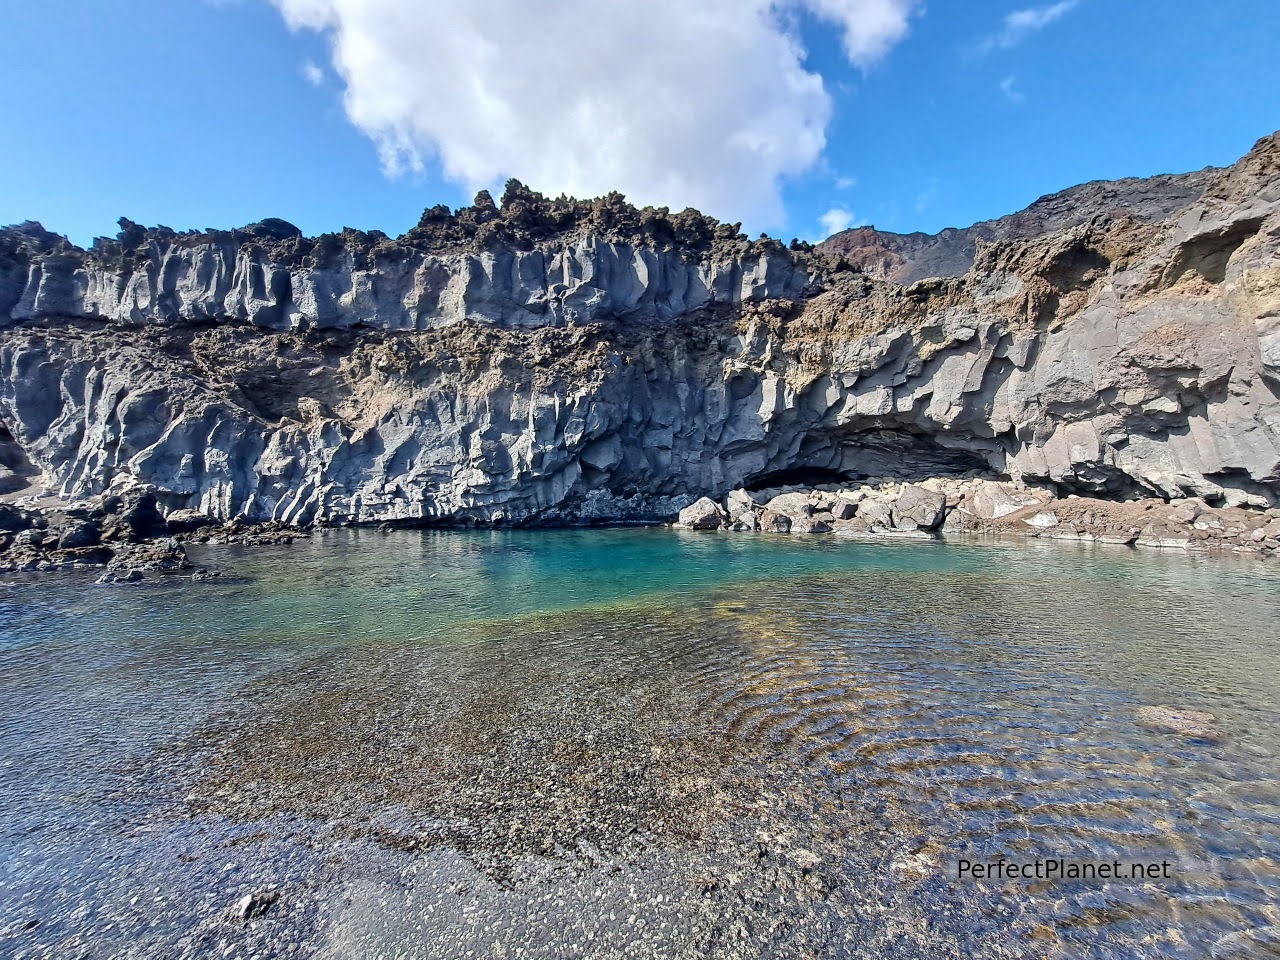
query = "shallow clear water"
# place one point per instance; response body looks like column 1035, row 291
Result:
column 640, row 743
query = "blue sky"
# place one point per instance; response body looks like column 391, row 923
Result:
column 193, row 113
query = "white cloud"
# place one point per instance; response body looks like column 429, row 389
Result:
column 705, row 104
column 311, row 70
column 846, row 183
column 1020, row 24
column 1009, row 87
column 837, row 219
column 871, row 27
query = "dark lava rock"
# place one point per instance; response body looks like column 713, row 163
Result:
column 121, row 576
column 188, row 521
column 133, row 515
column 13, row 519
column 80, row 533
column 160, row 555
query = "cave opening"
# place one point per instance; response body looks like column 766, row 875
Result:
column 898, row 454
column 798, row 477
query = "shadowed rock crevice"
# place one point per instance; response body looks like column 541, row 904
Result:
column 797, row 476
column 1207, row 254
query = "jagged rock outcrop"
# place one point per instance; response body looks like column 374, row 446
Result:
column 907, row 257
column 561, row 361
column 534, row 263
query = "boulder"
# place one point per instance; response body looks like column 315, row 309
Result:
column 1186, row 511
column 132, row 515
column 79, row 533
column 773, row 522
column 810, row 525
column 843, row 509
column 876, row 512
column 94, row 556
column 703, row 514
column 919, row 509
column 991, row 501
column 792, row 505
column 1043, row 520
column 188, row 521
column 9, row 480
column 131, row 575
column 13, row 519
column 32, row 539
column 158, row 555
column 853, row 527
column 1163, row 536
column 822, row 500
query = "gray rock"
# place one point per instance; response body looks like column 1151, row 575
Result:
column 1197, row 724
column 1043, row 520
column 792, row 505
column 704, row 514
column 918, row 509
column 854, row 527
column 991, row 501
column 254, row 905
column 1161, row 538
column 33, row 539
column 843, row 509
column 810, row 525
column 188, row 521
column 13, row 519
column 79, row 533
column 121, row 575
column 152, row 556
column 875, row 512
column 771, row 522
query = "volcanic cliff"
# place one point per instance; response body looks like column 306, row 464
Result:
column 540, row 360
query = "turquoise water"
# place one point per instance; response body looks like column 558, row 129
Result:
column 421, row 738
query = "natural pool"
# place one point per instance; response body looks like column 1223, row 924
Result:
column 639, row 743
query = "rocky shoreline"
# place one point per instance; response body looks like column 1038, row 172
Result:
column 129, row 535
column 943, row 507
column 124, row 532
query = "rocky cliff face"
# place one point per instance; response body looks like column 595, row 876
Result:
column 905, row 258
column 555, row 361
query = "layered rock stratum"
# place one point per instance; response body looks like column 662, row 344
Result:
column 553, row 361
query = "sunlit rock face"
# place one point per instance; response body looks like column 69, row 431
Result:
column 562, row 361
